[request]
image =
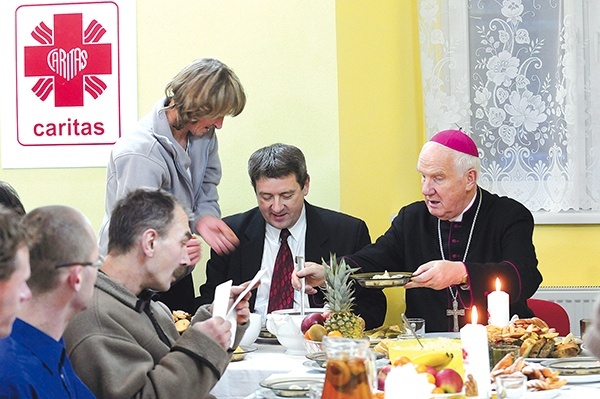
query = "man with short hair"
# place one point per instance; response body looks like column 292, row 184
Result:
column 281, row 182
column 456, row 242
column 64, row 260
column 14, row 268
column 126, row 345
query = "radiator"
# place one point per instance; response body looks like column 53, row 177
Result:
column 577, row 301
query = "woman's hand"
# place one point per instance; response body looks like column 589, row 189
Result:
column 217, row 234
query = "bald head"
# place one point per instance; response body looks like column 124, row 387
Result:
column 59, row 234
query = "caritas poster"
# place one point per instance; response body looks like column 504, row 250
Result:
column 68, row 81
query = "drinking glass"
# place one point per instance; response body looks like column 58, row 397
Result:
column 418, row 324
column 315, row 391
column 498, row 351
column 510, row 386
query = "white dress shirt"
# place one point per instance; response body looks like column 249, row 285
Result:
column 296, row 242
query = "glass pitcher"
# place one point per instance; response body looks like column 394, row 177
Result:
column 350, row 370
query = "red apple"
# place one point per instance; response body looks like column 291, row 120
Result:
column 382, row 375
column 449, row 380
column 309, row 320
column 432, row 370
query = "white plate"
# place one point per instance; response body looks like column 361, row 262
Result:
column 291, row 387
column 266, row 393
column 538, row 359
column 311, row 364
column 237, row 356
column 577, row 370
column 581, row 379
column 448, row 395
column 549, row 394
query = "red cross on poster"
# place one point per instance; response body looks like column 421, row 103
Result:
column 69, row 81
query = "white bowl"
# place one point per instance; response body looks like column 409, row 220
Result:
column 253, row 330
column 285, row 325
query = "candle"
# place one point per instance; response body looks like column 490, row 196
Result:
column 498, row 307
column 476, row 357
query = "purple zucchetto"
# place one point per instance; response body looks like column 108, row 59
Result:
column 456, row 140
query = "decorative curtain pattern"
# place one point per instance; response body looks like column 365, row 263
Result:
column 522, row 78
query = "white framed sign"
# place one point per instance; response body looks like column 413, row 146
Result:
column 68, row 81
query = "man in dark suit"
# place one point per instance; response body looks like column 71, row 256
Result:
column 281, row 182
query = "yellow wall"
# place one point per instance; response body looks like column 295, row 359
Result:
column 339, row 79
column 381, row 132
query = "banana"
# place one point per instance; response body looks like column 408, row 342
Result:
column 437, row 359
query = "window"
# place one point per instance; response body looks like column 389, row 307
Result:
column 521, row 78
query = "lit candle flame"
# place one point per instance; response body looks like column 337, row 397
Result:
column 474, row 315
column 498, row 286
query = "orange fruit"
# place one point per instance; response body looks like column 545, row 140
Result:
column 421, row 368
column 315, row 332
column 437, row 390
column 401, row 361
column 430, row 378
column 334, row 334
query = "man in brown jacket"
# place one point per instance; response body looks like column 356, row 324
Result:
column 125, row 345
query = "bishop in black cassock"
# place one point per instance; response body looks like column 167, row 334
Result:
column 457, row 241
column 501, row 246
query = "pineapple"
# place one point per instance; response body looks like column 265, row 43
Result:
column 339, row 296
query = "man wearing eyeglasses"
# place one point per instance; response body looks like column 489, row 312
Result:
column 64, row 259
column 126, row 345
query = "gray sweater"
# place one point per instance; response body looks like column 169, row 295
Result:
column 150, row 157
column 118, row 354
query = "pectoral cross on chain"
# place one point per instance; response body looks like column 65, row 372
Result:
column 455, row 312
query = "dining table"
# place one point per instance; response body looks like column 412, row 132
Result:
column 242, row 378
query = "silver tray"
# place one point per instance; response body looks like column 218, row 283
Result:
column 396, row 279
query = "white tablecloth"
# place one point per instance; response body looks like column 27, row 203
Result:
column 242, row 378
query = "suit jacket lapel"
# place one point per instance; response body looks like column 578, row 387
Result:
column 251, row 248
column 315, row 249
column 316, row 238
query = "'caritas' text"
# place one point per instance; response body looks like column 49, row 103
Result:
column 69, row 128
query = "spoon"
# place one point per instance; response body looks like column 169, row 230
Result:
column 412, row 330
column 300, row 263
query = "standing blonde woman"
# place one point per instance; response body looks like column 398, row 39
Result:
column 175, row 148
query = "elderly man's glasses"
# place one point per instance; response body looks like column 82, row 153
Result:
column 96, row 264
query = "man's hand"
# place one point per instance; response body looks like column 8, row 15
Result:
column 217, row 234
column 242, row 309
column 314, row 274
column 437, row 274
column 217, row 329
column 193, row 249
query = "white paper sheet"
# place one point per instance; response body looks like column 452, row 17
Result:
column 221, row 306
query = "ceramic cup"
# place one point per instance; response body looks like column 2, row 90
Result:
column 253, row 330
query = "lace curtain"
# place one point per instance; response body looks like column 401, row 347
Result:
column 522, row 78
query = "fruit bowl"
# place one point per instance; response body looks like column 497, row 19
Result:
column 313, row 346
